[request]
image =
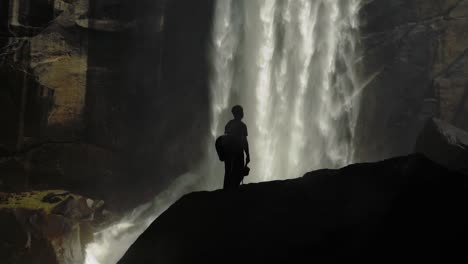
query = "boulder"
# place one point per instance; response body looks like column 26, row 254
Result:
column 41, row 227
column 444, row 144
column 406, row 208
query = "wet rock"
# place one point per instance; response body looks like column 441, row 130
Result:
column 36, row 229
column 444, row 144
column 54, row 197
column 461, row 10
column 383, row 15
column 104, row 25
column 74, row 208
column 415, row 59
column 14, row 238
column 3, row 197
column 97, row 205
column 75, row 110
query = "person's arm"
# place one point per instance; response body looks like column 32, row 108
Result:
column 246, row 146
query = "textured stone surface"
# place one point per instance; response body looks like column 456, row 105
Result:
column 416, row 51
column 38, row 230
column 104, row 96
column 444, row 144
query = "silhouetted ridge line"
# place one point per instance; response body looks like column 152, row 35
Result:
column 403, row 208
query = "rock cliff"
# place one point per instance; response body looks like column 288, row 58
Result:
column 100, row 96
column 444, row 144
column 418, row 52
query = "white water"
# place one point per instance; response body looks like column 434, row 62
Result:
column 290, row 64
column 111, row 243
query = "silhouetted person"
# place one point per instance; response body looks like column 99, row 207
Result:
column 234, row 161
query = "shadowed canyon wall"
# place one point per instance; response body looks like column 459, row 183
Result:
column 105, row 97
column 419, row 51
column 111, row 97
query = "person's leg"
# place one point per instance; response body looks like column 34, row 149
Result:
column 226, row 170
column 228, row 173
column 238, row 168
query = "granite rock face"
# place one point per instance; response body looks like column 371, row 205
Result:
column 444, row 144
column 406, row 208
column 415, row 59
column 96, row 96
column 47, row 226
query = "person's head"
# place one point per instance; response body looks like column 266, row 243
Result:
column 237, row 112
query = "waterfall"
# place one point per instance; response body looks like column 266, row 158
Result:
column 290, row 64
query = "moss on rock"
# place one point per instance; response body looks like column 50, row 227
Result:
column 33, row 200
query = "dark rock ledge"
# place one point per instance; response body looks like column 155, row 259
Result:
column 405, row 209
column 47, row 227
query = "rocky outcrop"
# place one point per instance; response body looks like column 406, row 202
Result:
column 47, row 226
column 445, row 144
column 91, row 103
column 406, row 208
column 44, row 72
column 416, row 52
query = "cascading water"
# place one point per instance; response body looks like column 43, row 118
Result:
column 290, row 64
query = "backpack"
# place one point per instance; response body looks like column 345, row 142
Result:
column 226, row 145
column 221, row 147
